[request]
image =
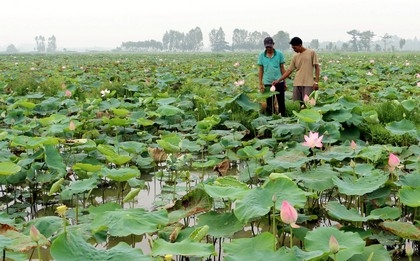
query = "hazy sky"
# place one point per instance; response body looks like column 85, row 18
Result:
column 106, row 23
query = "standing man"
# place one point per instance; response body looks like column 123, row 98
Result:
column 271, row 67
column 304, row 61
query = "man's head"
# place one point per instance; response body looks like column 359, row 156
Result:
column 296, row 44
column 268, row 42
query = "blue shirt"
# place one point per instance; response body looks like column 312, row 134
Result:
column 271, row 66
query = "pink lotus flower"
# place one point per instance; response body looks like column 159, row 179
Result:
column 239, row 83
column 313, row 140
column 237, row 64
column 417, row 75
column 309, row 101
column 353, row 145
column 72, row 126
column 369, row 73
column 333, row 244
column 272, row 88
column 288, row 214
column 393, row 161
column 372, row 61
column 325, row 78
column 68, row 93
column 418, row 84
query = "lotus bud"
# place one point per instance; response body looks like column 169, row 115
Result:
column 333, row 244
column 34, row 234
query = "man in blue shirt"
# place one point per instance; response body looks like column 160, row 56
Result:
column 271, row 67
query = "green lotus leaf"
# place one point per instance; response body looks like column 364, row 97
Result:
column 170, row 143
column 145, row 122
column 121, row 174
column 246, row 104
column 169, row 110
column 409, row 105
column 372, row 153
column 258, row 202
column 411, row 180
column 205, row 164
column 186, row 247
column 227, row 187
column 220, row 224
column 350, row 185
column 87, row 167
column 48, row 225
column 386, row 213
column 120, row 112
column 118, row 159
column 402, row 229
column 52, row 119
column 119, row 122
column 401, row 127
column 135, row 221
column 250, row 152
column 373, row 252
column 133, row 146
column 318, row 179
column 410, row 196
column 26, row 104
column 71, row 246
column 288, row 159
column 194, row 202
column 77, row 187
column 350, row 243
column 308, row 115
column 9, row 168
column 340, row 212
column 341, row 115
column 54, row 160
column 255, row 248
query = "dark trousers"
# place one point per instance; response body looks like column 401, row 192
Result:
column 270, row 110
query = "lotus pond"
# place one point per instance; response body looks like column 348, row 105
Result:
column 170, row 157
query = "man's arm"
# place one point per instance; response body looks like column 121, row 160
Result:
column 260, row 78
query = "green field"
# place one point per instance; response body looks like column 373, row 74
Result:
column 90, row 133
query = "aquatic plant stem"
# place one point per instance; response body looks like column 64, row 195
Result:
column 291, row 237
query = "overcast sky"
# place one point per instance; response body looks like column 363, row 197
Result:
column 106, row 23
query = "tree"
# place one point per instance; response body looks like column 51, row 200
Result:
column 173, row 40
column 193, row 40
column 11, row 49
column 402, row 43
column 217, row 40
column 52, row 45
column 239, row 39
column 40, row 43
column 314, row 44
column 256, row 39
column 282, row 39
column 354, row 43
column 366, row 39
column 385, row 39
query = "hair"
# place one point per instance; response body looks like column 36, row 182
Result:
column 296, row 41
